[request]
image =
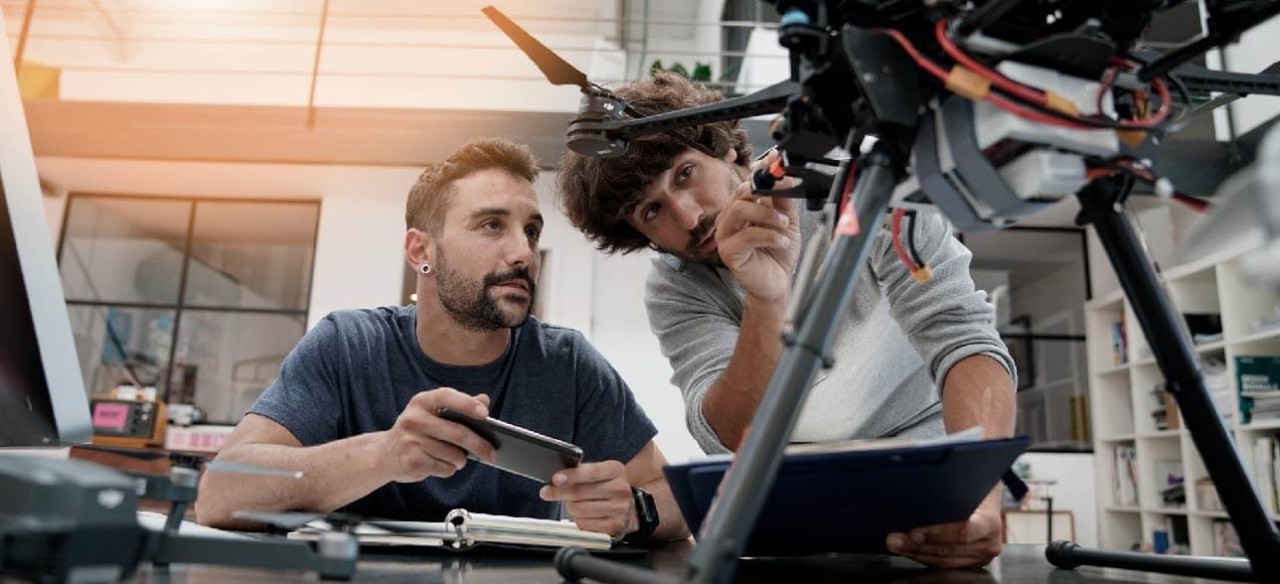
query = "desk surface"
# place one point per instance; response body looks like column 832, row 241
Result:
column 1018, row 564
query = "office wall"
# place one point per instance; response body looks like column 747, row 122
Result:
column 1255, row 51
column 1073, row 490
column 359, row 255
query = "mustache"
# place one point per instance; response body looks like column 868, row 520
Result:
column 699, row 232
column 520, row 273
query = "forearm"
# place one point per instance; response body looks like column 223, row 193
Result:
column 979, row 392
column 334, row 475
column 731, row 402
column 671, row 524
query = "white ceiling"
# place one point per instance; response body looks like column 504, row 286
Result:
column 540, row 16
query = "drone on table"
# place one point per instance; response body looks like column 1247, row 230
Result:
column 73, row 520
column 988, row 111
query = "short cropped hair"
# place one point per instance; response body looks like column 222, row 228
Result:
column 596, row 193
column 429, row 197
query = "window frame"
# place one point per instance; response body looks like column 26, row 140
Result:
column 180, row 305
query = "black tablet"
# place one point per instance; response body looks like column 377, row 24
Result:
column 849, row 501
column 520, row 451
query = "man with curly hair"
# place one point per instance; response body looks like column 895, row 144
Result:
column 912, row 359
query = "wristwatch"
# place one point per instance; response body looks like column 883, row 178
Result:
column 646, row 513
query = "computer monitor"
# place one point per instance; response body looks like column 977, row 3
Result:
column 42, row 396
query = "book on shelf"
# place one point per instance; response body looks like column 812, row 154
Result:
column 1119, row 342
column 1217, row 380
column 464, row 530
column 1125, row 476
column 1207, row 496
column 1266, row 451
column 1225, row 541
column 1164, row 412
column 1258, row 379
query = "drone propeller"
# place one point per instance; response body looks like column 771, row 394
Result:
column 242, row 468
column 283, row 520
column 194, row 459
column 290, row 520
column 130, row 452
column 557, row 70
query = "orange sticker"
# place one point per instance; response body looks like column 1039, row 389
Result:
column 848, row 224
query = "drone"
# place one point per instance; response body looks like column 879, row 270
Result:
column 73, row 520
column 987, row 111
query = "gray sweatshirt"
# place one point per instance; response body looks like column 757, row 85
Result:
column 895, row 345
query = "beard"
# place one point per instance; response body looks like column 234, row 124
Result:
column 691, row 253
column 475, row 304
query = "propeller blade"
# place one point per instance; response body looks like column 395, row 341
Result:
column 283, row 520
column 130, row 452
column 242, row 468
column 557, row 70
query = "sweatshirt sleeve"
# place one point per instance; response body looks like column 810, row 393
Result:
column 945, row 319
column 697, row 334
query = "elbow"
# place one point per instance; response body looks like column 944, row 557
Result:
column 211, row 507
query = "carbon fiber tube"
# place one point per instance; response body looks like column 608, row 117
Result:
column 1067, row 555
column 574, row 563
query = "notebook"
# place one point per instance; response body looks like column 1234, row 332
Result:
column 462, row 530
column 847, row 497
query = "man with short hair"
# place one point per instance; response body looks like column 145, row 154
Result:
column 911, row 359
column 356, row 403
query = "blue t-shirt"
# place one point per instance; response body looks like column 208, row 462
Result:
column 357, row 370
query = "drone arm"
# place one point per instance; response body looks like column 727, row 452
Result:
column 1203, row 80
column 768, row 100
column 332, row 562
column 1227, row 20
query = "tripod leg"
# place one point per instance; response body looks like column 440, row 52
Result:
column 728, row 526
column 1178, row 364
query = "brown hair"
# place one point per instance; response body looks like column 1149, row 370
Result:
column 429, row 197
column 596, row 193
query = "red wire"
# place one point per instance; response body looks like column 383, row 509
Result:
column 1162, row 90
column 992, row 98
column 1106, row 84
column 1166, row 105
column 1196, row 204
column 1008, row 85
column 848, row 185
column 924, row 63
column 1030, row 114
column 896, row 233
column 1029, row 94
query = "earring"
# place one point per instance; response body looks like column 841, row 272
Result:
column 425, row 269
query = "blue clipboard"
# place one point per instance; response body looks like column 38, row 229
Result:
column 847, row 502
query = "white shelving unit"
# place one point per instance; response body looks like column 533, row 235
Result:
column 1121, row 402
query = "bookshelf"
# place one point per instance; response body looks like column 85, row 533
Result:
column 1122, row 377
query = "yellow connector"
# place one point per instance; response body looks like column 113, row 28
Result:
column 968, row 84
column 1131, row 137
column 923, row 275
column 1061, row 104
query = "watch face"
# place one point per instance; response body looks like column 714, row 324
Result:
column 646, row 510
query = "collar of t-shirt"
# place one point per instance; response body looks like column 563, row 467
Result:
column 488, row 378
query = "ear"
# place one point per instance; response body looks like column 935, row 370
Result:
column 419, row 248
